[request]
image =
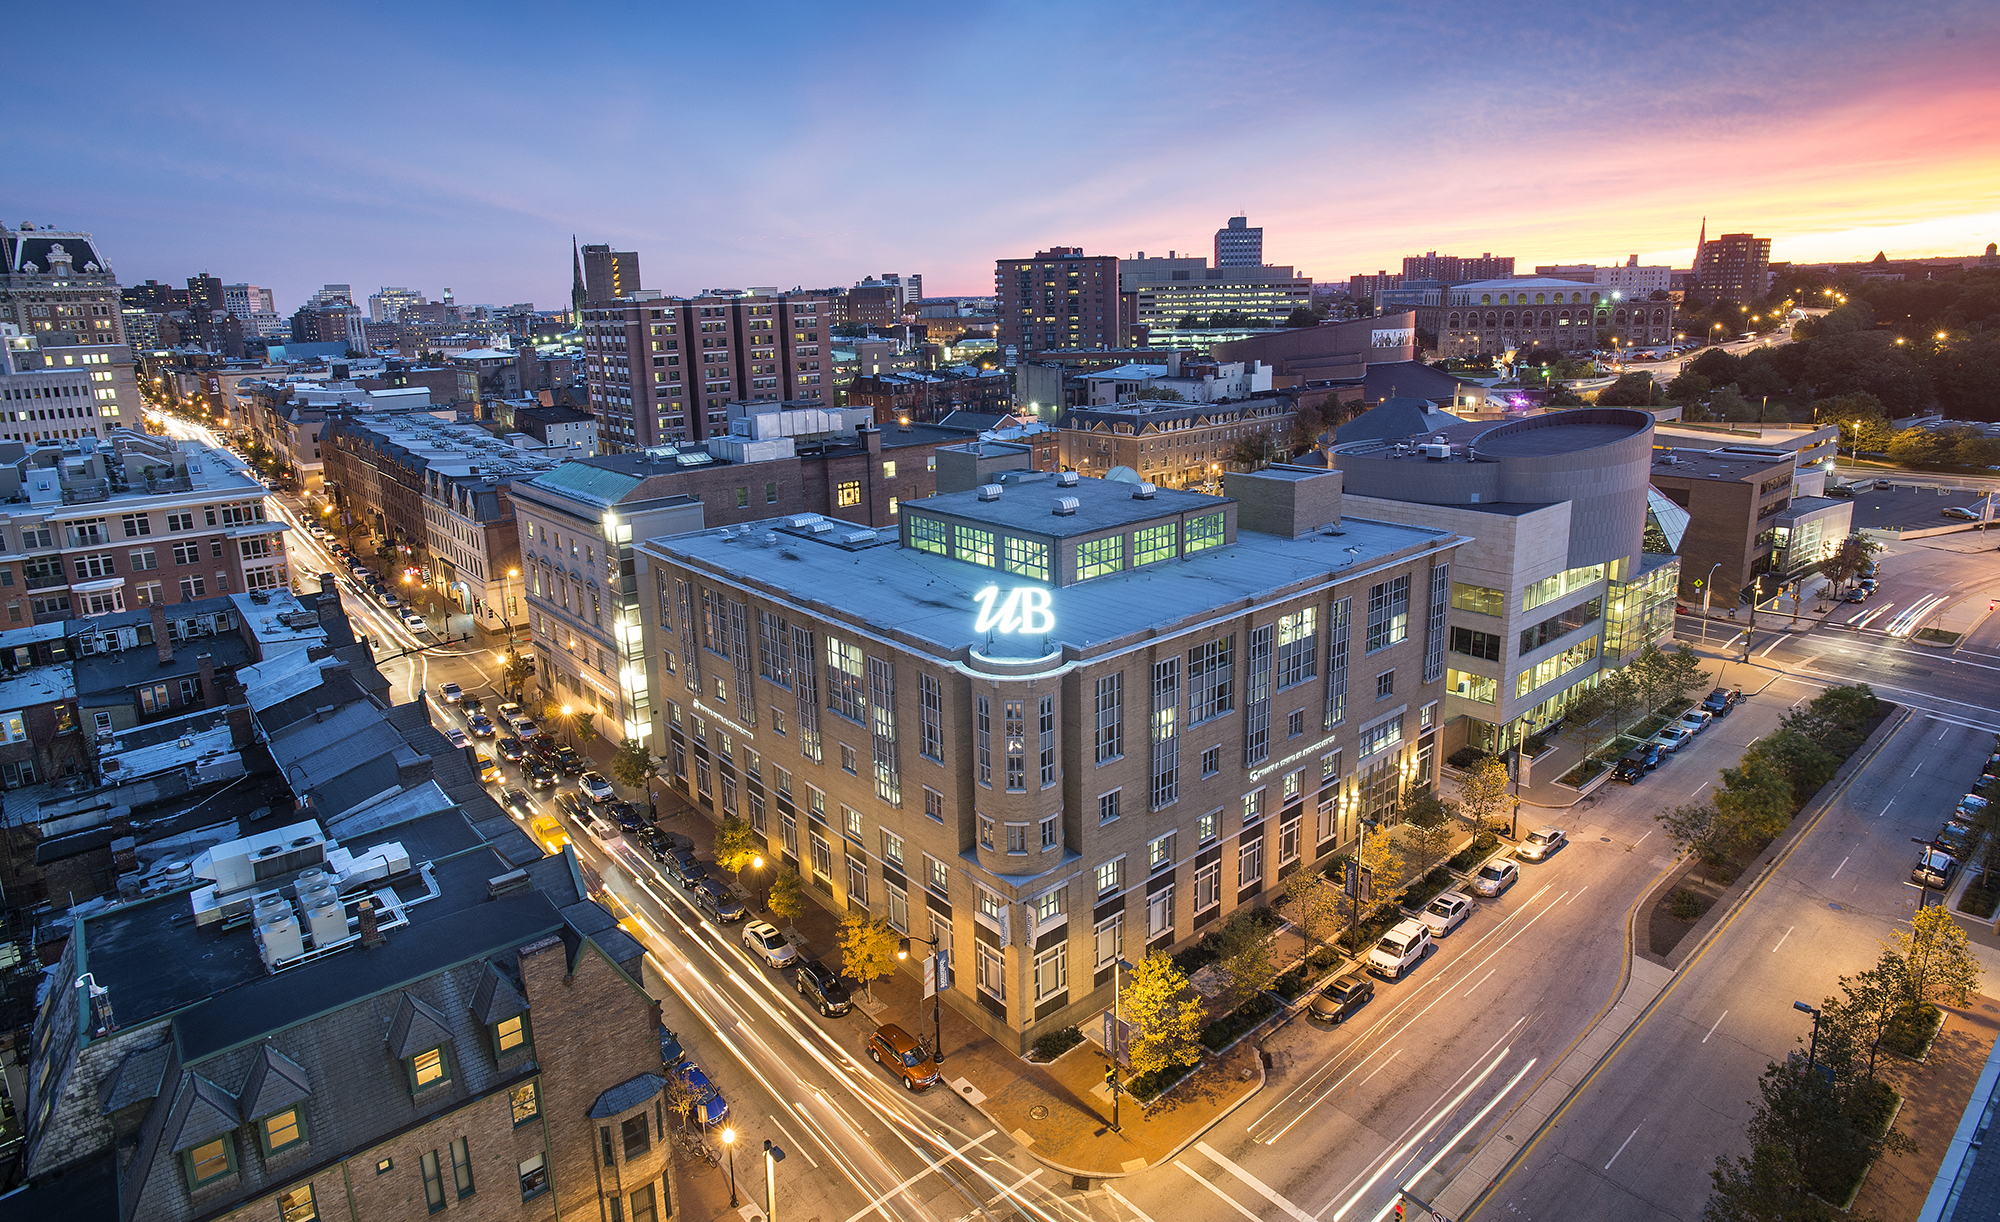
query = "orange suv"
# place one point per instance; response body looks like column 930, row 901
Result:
column 892, row 1046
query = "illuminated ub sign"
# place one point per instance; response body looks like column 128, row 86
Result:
column 1024, row 611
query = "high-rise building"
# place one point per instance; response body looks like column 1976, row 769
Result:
column 1239, row 245
column 912, row 285
column 154, row 297
column 1733, row 267
column 56, row 287
column 387, row 304
column 1060, row 298
column 1433, row 266
column 665, row 369
column 333, row 294
column 609, row 274
column 245, row 301
column 1158, row 293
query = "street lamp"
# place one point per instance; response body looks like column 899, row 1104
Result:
column 1812, row 1049
column 757, row 864
column 940, row 966
column 1707, row 592
column 729, row 1144
column 772, row 1157
column 569, row 726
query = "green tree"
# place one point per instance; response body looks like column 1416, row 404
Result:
column 1763, row 1186
column 1689, row 387
column 787, row 900
column 1315, row 903
column 1936, row 957
column 1699, row 829
column 736, row 845
column 586, row 725
column 1729, row 404
column 1649, row 670
column 1630, row 390
column 1165, row 1016
column 1680, row 673
column 1917, row 447
column 1246, row 958
column 632, row 765
column 1162, row 394
column 1190, row 322
column 1432, row 822
column 1304, row 316
column 1756, row 798
column 1804, row 763
column 1483, row 790
column 1383, row 860
column 867, row 948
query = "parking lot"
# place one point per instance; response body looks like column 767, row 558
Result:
column 1909, row 505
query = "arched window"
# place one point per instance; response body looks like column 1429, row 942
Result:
column 1540, row 298
column 1486, row 299
column 1659, row 318
column 1452, row 323
column 1594, row 299
column 1576, row 298
column 1621, row 318
column 1548, row 319
column 1507, row 319
column 1492, row 319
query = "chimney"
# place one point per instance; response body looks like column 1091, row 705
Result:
column 371, row 934
column 161, row 637
column 328, row 590
column 206, row 662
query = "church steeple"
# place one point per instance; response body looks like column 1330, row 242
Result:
column 576, row 283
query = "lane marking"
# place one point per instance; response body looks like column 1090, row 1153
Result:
column 1621, row 1147
column 1256, row 1184
column 1782, row 937
column 1228, row 1200
column 930, row 1165
column 1837, row 869
column 1120, row 1198
column 1482, row 980
column 1572, row 899
column 1714, row 1025
column 1459, row 1136
column 1697, row 789
column 1413, row 1141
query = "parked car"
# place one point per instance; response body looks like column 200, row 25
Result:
column 469, row 704
column 1542, row 844
column 1697, row 719
column 683, row 867
column 1338, row 1001
column 710, row 1109
column 892, row 1048
column 518, row 802
column 1856, row 596
column 1955, row 839
column 512, row 750
column 1960, row 513
column 415, row 622
column 391, row 601
column 594, row 784
column 1630, row 768
column 1651, row 753
column 1934, row 868
column 1445, row 913
column 1720, row 701
column 451, row 692
column 765, row 942
column 1671, row 737
column 1495, row 877
column 568, row 762
column 626, row 815
column 671, row 1052
column 1399, row 950
column 1972, row 804
column 538, row 773
column 823, row 987
column 457, row 737
column 717, row 901
column 525, row 727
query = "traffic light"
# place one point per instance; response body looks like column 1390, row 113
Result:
column 1110, row 1075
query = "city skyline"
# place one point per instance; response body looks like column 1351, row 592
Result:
column 1610, row 138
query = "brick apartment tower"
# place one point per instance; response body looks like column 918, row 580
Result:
column 1060, row 298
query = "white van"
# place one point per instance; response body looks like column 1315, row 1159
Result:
column 1401, row 949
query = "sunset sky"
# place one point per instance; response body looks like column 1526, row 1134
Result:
column 776, row 144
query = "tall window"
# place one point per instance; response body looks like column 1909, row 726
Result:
column 1207, row 887
column 882, row 730
column 774, row 648
column 461, row 1163
column 1027, row 557
column 1211, row 679
column 930, row 703
column 973, row 544
column 982, row 739
column 1154, row 543
column 844, row 680
column 1160, row 912
column 1048, row 744
column 928, row 534
column 1257, row 696
column 1298, row 635
column 1388, row 613
column 1250, row 863
column 1337, row 624
column 1052, row 972
column 1108, row 938
column 1164, row 731
column 1203, row 533
column 1110, row 717
column 1014, row 728
column 1434, row 626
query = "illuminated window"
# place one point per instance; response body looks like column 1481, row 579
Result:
column 847, row 493
column 428, row 1068
column 1027, row 557
column 281, row 1130
column 1203, row 533
column 210, row 1161
column 511, row 1033
column 1097, row 557
column 974, row 545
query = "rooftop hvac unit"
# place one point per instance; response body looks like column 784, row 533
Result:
column 279, row 938
column 1065, row 507
column 821, row 527
column 989, row 492
column 858, row 536
column 327, row 920
column 1436, row 450
column 1143, row 492
column 1065, row 479
column 799, row 521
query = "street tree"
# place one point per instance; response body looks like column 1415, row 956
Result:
column 1755, row 798
column 1315, row 903
column 868, row 948
column 586, row 725
column 1937, row 961
column 632, row 765
column 1383, row 860
column 736, row 845
column 1431, row 821
column 1483, row 790
column 1165, row 1016
column 1245, row 957
column 1681, row 674
column 1630, row 390
column 1699, row 828
column 787, row 900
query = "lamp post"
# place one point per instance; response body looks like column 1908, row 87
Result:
column 940, row 969
column 569, row 725
column 772, row 1157
column 1812, row 1049
column 1923, row 875
column 507, row 621
column 1707, row 592
column 757, row 864
column 729, row 1144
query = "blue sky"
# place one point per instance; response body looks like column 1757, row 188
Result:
column 777, row 144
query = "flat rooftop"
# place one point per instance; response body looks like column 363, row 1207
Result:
column 1700, row 464
column 927, row 601
column 1027, row 501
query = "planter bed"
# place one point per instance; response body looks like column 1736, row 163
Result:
column 1239, row 1022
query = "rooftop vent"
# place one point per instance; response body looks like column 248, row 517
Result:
column 1143, row 492
column 858, row 536
column 1065, row 479
column 989, row 492
column 1436, row 450
column 1065, row 507
column 821, row 527
column 800, row 521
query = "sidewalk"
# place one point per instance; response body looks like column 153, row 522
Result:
column 1060, row 1111
column 1935, row 1095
